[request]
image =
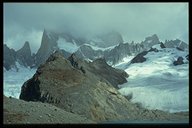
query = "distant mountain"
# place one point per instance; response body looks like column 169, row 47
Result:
column 9, row 57
column 107, row 39
column 176, row 44
column 150, row 41
column 22, row 56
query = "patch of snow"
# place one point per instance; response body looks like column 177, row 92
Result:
column 157, row 46
column 67, row 46
column 149, row 41
column 124, row 62
column 100, row 48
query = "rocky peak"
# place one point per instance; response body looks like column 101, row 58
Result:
column 25, row 49
column 24, row 55
column 48, row 45
column 150, row 41
column 26, row 45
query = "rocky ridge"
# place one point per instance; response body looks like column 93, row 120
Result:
column 61, row 83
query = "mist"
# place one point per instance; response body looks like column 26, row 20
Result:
column 135, row 21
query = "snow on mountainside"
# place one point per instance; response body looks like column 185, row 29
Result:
column 94, row 47
column 13, row 79
column 67, row 46
column 157, row 83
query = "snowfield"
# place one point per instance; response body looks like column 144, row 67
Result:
column 13, row 80
column 157, row 83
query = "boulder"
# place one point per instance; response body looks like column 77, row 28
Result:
column 139, row 58
column 179, row 61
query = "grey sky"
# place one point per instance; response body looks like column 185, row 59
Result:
column 135, row 21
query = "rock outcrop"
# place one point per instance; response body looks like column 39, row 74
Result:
column 139, row 58
column 179, row 61
column 162, row 45
column 90, row 94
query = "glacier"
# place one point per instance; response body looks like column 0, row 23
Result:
column 13, row 79
column 157, row 83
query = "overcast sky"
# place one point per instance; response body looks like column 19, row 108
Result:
column 135, row 21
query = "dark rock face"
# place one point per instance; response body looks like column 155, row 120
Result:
column 24, row 55
column 187, row 57
column 112, row 75
column 179, row 61
column 139, row 58
column 162, row 45
column 9, row 57
column 32, row 88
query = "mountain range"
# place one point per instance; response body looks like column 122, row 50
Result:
column 109, row 46
column 76, row 80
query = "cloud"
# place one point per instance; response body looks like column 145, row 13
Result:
column 134, row 20
column 19, row 35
